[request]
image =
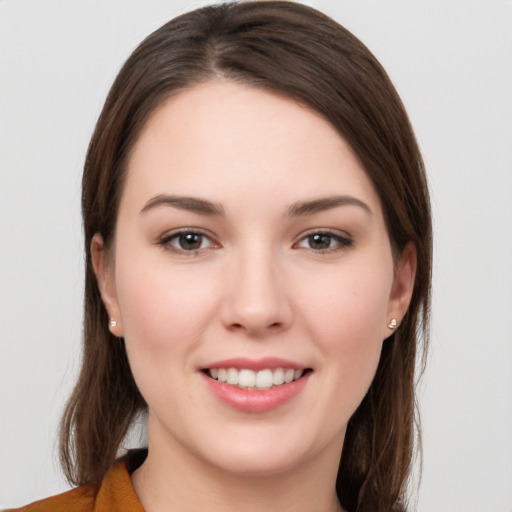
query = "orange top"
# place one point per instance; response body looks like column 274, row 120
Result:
column 114, row 493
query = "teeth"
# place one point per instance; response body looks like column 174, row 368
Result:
column 232, row 376
column 278, row 377
column 264, row 379
column 246, row 379
column 288, row 375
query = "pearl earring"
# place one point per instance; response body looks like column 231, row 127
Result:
column 392, row 324
column 112, row 323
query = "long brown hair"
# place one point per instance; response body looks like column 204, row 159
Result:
column 299, row 52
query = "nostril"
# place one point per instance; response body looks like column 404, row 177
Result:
column 275, row 326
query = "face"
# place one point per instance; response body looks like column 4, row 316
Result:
column 251, row 278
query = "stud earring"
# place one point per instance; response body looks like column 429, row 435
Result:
column 112, row 323
column 392, row 324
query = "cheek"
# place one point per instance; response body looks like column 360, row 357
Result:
column 349, row 304
column 347, row 325
column 164, row 317
column 163, row 312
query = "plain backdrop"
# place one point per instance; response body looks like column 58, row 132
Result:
column 451, row 62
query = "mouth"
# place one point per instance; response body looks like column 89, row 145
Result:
column 247, row 379
column 256, row 385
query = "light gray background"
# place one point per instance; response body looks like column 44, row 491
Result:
column 452, row 63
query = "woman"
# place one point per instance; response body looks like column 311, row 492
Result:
column 257, row 215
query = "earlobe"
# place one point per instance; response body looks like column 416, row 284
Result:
column 105, row 279
column 403, row 287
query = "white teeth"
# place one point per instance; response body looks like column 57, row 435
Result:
column 264, row 379
column 247, row 379
column 278, row 377
column 232, row 376
column 288, row 375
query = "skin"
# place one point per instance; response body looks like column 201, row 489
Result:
column 258, row 285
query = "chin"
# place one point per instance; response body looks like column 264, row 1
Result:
column 258, row 464
column 261, row 454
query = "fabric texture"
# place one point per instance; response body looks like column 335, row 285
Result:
column 114, row 493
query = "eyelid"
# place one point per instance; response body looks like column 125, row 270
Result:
column 165, row 240
column 344, row 239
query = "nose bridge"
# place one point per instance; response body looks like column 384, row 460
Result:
column 257, row 297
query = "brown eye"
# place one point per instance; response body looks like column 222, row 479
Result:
column 186, row 241
column 190, row 241
column 324, row 241
column 319, row 241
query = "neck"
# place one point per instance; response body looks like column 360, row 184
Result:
column 173, row 479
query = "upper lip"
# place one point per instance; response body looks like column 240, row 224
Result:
column 256, row 364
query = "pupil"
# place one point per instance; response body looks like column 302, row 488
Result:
column 320, row 241
column 190, row 241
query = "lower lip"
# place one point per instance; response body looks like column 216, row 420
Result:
column 256, row 400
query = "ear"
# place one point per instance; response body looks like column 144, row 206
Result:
column 403, row 286
column 106, row 283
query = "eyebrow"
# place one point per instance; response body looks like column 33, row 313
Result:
column 191, row 204
column 326, row 203
column 300, row 208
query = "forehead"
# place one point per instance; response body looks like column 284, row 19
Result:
column 223, row 140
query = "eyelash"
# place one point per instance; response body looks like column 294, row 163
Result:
column 166, row 242
column 341, row 242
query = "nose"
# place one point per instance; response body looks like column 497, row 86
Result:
column 256, row 296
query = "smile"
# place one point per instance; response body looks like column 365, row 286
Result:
column 245, row 378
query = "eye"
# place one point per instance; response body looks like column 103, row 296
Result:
column 324, row 241
column 186, row 241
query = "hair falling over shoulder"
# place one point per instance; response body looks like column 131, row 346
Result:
column 298, row 52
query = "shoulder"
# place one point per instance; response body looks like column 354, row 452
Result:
column 80, row 499
column 114, row 493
